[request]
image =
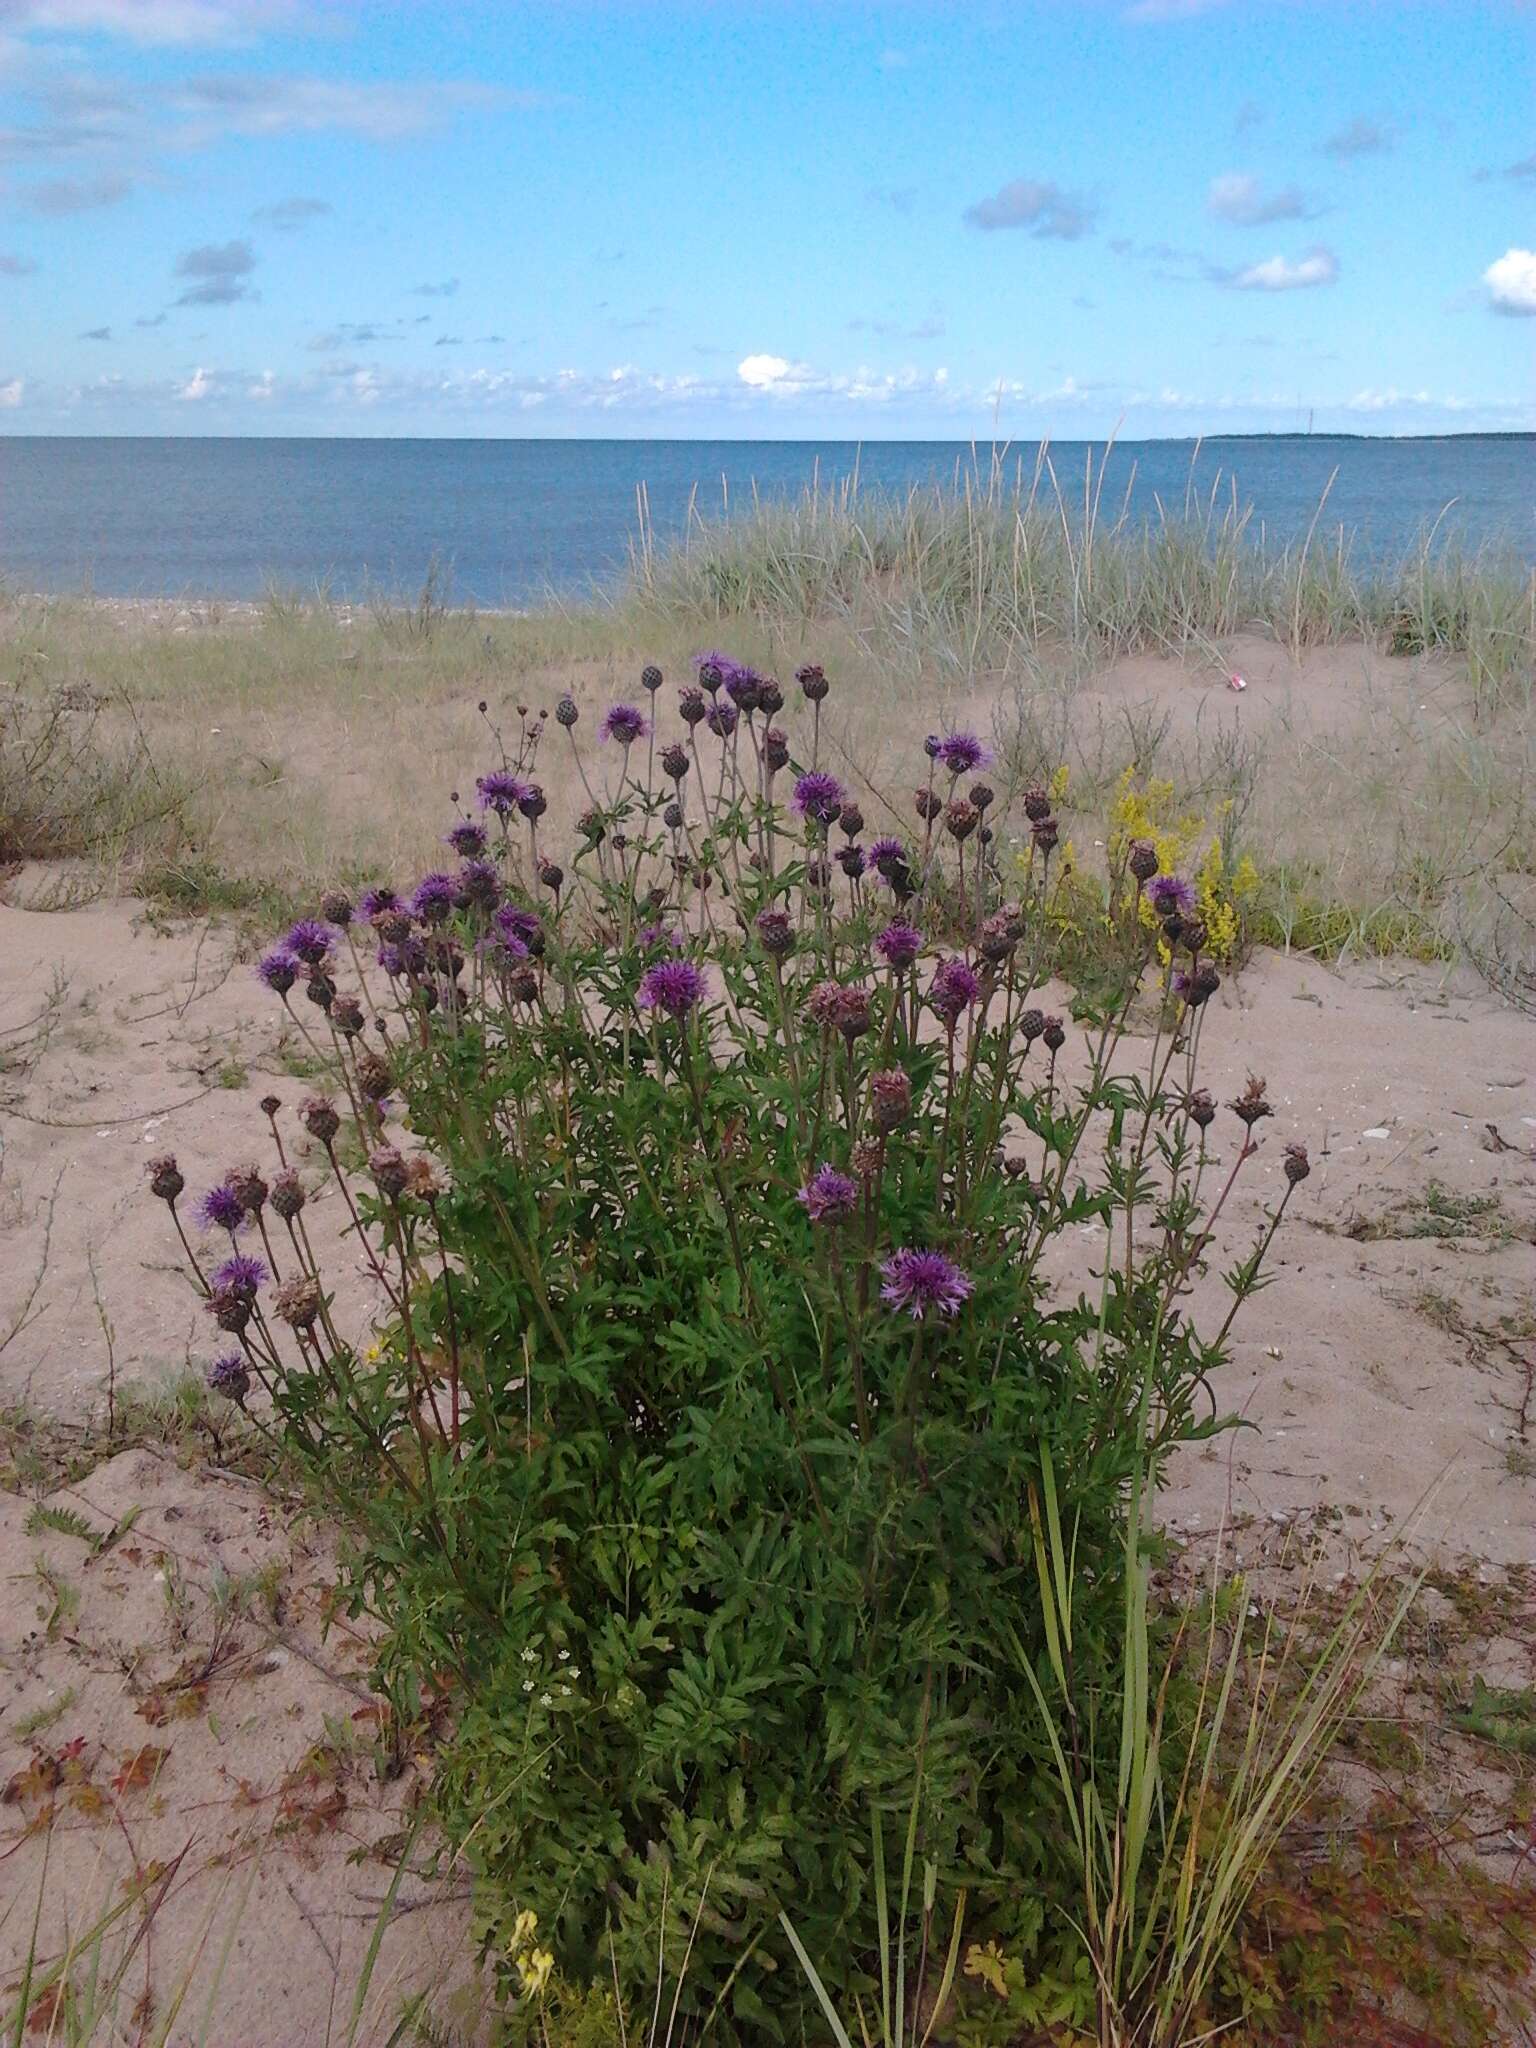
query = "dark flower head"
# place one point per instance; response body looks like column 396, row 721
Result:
column 829, row 1196
column 1200, row 1107
column 851, row 860
column 319, row 1118
column 819, row 796
column 513, row 922
column 336, row 908
column 651, row 678
column 712, row 667
column 299, row 1302
column 310, row 941
column 269, row 1105
column 279, row 970
column 1251, row 1105
column 982, row 795
column 249, row 1187
column 230, row 1376
column 675, row 986
column 690, row 703
column 375, row 1076
column 1037, row 803
column 394, row 926
column 1171, row 896
column 374, row 902
column 954, row 988
column 812, row 681
column 165, row 1178
column 347, row 1016
column 387, row 1165
column 776, row 930
column 885, row 854
column 851, row 818
column 674, row 761
column 1045, row 832
column 1054, row 1034
column 625, row 723
column 770, row 698
column 775, row 749
column 672, row 817
column 933, row 746
column 918, row 1281
column 321, row 990
column 533, row 803
column 962, row 753
column 1001, row 933
column 239, row 1275
column 477, row 885
column 288, row 1196
column 745, row 689
column 221, row 1209
column 566, row 711
column 890, row 1094
column 501, row 791
column 402, row 961
column 961, row 818
column 434, row 898
column 929, row 804
column 592, row 827
column 722, row 719
column 899, row 945
column 552, row 875
column 853, row 1012
column 1198, row 986
column 1031, row 1025
column 231, row 1312
column 467, row 839
column 1142, row 860
column 1297, row 1164
column 823, row 1002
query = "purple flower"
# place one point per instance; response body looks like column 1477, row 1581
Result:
column 744, row 687
column 954, row 988
column 477, row 885
column 720, row 667
column 819, row 796
column 403, row 960
column 373, row 902
column 434, row 898
column 625, row 723
column 886, row 854
column 671, row 985
column 1171, row 895
column 310, row 941
column 501, row 791
column 828, row 1196
column 279, row 969
column 239, row 1276
column 221, row 1209
column 722, row 719
column 229, row 1375
column 467, row 839
column 919, row 1281
column 962, row 753
column 650, row 936
column 513, row 922
column 899, row 945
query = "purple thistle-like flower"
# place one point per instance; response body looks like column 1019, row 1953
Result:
column 886, row 854
column 829, row 1196
column 625, row 723
column 240, row 1276
column 229, row 1375
column 962, row 753
column 1170, row 895
column 310, row 941
column 671, row 985
column 407, row 958
column 501, row 791
column 434, row 898
column 819, row 796
column 722, row 719
column 954, row 988
column 917, row 1281
column 513, row 922
column 279, row 970
column 650, row 936
column 852, row 861
column 719, row 665
column 477, row 885
column 374, row 902
column 467, row 839
column 221, row 1209
column 899, row 945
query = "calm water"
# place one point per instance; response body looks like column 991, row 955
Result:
column 514, row 520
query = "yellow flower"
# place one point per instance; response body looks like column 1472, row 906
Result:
column 523, row 1929
column 534, row 1971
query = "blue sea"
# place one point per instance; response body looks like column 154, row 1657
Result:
column 513, row 522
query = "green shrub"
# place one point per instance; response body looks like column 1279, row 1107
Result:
column 729, row 1314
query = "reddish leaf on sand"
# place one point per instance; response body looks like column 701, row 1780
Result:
column 140, row 1768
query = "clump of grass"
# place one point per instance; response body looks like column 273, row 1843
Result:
column 1438, row 1212
column 71, row 788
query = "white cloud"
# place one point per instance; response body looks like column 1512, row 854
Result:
column 1359, row 137
column 197, row 386
column 763, row 372
column 1511, row 282
column 265, row 386
column 1038, row 205
column 1239, row 198
column 1282, row 274
column 10, row 394
column 164, row 22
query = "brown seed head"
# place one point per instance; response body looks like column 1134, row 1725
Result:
column 1251, row 1105
column 1037, row 804
column 299, row 1301
column 1143, row 862
column 890, row 1095
column 166, row 1178
column 375, row 1075
column 288, row 1195
column 319, row 1118
column 1297, row 1164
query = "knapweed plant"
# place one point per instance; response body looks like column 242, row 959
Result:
column 744, row 1228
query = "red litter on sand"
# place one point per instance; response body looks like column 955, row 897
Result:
column 1236, row 682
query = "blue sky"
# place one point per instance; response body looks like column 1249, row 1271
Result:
column 1170, row 216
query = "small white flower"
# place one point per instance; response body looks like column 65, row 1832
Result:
column 565, row 1656
column 527, row 1685
column 565, row 1692
column 573, row 1672
column 546, row 1699
column 530, row 1656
